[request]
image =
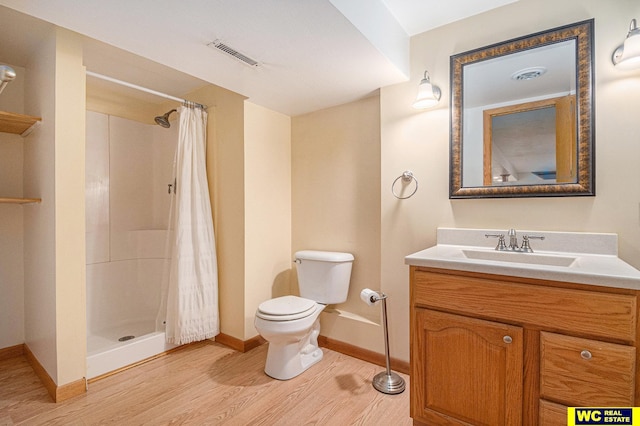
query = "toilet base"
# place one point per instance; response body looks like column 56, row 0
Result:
column 288, row 360
column 296, row 364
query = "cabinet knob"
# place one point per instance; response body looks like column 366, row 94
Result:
column 507, row 339
column 585, row 354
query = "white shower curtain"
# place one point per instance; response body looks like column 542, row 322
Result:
column 192, row 287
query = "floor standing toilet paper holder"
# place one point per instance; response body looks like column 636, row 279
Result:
column 387, row 381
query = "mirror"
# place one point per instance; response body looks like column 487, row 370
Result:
column 522, row 117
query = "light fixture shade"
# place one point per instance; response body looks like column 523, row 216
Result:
column 627, row 56
column 428, row 94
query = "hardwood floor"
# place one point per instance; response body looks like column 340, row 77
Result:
column 209, row 384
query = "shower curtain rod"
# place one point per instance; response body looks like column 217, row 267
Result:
column 144, row 89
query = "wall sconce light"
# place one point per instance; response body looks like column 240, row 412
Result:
column 7, row 74
column 627, row 56
column 428, row 94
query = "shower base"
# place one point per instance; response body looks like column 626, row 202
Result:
column 106, row 352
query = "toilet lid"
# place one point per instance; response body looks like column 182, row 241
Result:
column 286, row 308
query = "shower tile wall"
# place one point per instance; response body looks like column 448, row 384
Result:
column 129, row 166
column 97, row 188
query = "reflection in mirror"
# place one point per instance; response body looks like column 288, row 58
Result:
column 531, row 143
column 521, row 116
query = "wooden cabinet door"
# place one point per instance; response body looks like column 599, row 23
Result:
column 465, row 370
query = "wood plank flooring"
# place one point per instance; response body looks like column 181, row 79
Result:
column 209, row 384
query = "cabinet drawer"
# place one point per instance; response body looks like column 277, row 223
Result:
column 588, row 373
column 551, row 414
column 592, row 313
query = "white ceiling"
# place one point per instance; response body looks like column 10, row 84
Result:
column 418, row 16
column 490, row 82
column 312, row 54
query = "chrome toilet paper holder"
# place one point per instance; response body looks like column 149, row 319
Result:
column 387, row 381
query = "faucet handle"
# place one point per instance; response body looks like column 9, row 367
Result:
column 501, row 245
column 525, row 242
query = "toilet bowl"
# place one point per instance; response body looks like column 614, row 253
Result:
column 293, row 338
column 291, row 324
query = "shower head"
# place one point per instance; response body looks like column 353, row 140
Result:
column 163, row 120
column 7, row 74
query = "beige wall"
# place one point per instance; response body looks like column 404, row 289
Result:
column 118, row 104
column 11, row 229
column 54, row 279
column 419, row 141
column 39, row 219
column 267, row 139
column 336, row 205
column 69, row 211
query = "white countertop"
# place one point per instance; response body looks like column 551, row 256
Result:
column 591, row 258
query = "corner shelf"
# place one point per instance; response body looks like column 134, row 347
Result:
column 5, row 200
column 18, row 124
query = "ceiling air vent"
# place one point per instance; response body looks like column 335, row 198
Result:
column 528, row 73
column 217, row 44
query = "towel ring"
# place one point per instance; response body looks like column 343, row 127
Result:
column 406, row 177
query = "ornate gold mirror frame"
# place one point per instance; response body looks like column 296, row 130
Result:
column 584, row 184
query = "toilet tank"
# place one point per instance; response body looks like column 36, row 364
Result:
column 323, row 276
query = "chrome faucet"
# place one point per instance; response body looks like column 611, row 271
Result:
column 513, row 241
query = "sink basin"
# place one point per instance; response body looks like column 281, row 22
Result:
column 514, row 257
column 575, row 257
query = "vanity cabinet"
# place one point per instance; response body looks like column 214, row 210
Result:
column 498, row 350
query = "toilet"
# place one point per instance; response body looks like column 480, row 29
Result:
column 291, row 324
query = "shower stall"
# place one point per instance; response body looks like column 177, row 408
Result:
column 129, row 176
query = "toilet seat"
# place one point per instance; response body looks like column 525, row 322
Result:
column 286, row 308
